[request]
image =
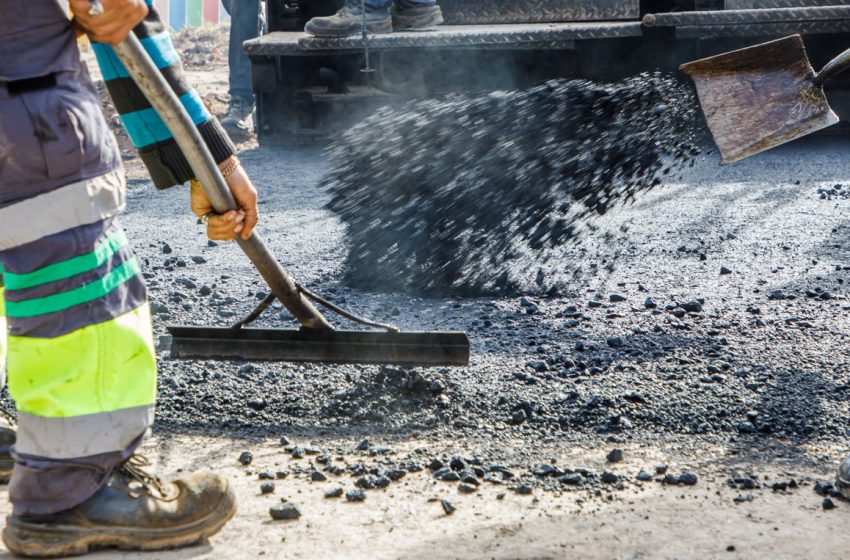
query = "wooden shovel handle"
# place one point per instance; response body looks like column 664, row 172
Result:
column 834, row 67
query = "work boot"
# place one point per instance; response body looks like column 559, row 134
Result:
column 238, row 122
column 413, row 15
column 842, row 479
column 349, row 21
column 7, row 440
column 134, row 511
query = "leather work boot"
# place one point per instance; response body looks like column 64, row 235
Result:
column 842, row 479
column 134, row 511
column 238, row 122
column 348, row 21
column 411, row 15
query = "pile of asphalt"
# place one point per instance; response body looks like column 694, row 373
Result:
column 474, row 195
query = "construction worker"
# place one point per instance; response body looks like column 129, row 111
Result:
column 382, row 16
column 80, row 357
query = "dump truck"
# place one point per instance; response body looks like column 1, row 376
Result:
column 309, row 89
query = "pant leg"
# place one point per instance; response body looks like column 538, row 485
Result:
column 244, row 19
column 80, row 362
column 80, row 357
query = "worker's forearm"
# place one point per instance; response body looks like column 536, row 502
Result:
column 156, row 146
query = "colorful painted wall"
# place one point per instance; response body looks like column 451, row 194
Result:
column 191, row 13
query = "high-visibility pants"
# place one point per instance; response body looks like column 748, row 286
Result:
column 79, row 351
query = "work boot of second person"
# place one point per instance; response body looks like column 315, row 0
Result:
column 239, row 122
column 416, row 15
column 348, row 21
column 134, row 511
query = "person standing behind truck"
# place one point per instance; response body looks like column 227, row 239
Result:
column 382, row 16
column 244, row 25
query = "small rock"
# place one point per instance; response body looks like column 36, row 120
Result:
column 644, row 476
column 285, row 512
column 661, row 469
column 357, row 495
column 609, row 478
column 265, row 475
column 465, row 488
column 616, row 455
column 447, row 507
column 166, row 249
column 435, row 465
column 828, row 504
column 616, row 298
column 363, row 445
column 317, row 476
column 691, row 306
column 688, row 479
column 724, row 270
column 267, row 487
column 616, row 342
column 524, row 489
column 197, row 259
column 824, row 488
column 447, row 475
column 573, row 479
column 334, row 492
column 650, row 304
column 245, row 458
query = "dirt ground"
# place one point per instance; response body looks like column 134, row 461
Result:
column 768, row 220
column 408, row 522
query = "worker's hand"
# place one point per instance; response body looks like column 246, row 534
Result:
column 118, row 19
column 227, row 226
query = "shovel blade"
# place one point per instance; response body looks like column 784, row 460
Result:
column 338, row 347
column 757, row 98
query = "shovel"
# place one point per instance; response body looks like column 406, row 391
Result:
column 760, row 97
column 316, row 340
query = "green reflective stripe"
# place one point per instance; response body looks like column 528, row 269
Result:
column 78, row 265
column 83, row 294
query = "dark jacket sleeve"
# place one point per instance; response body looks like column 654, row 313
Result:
column 157, row 148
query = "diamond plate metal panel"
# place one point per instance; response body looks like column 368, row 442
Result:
column 470, row 12
column 761, row 4
column 762, row 30
column 514, row 36
column 743, row 17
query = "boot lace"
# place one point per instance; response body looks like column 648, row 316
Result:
column 133, row 470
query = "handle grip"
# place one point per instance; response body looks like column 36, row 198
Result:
column 163, row 99
column 834, row 67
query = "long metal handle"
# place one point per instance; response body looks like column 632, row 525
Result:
column 833, row 68
column 168, row 106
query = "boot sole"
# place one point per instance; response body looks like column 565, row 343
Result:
column 50, row 541
column 431, row 19
column 374, row 27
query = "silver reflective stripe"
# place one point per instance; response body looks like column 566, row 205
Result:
column 81, row 203
column 81, row 436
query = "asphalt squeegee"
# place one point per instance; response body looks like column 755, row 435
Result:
column 317, row 340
